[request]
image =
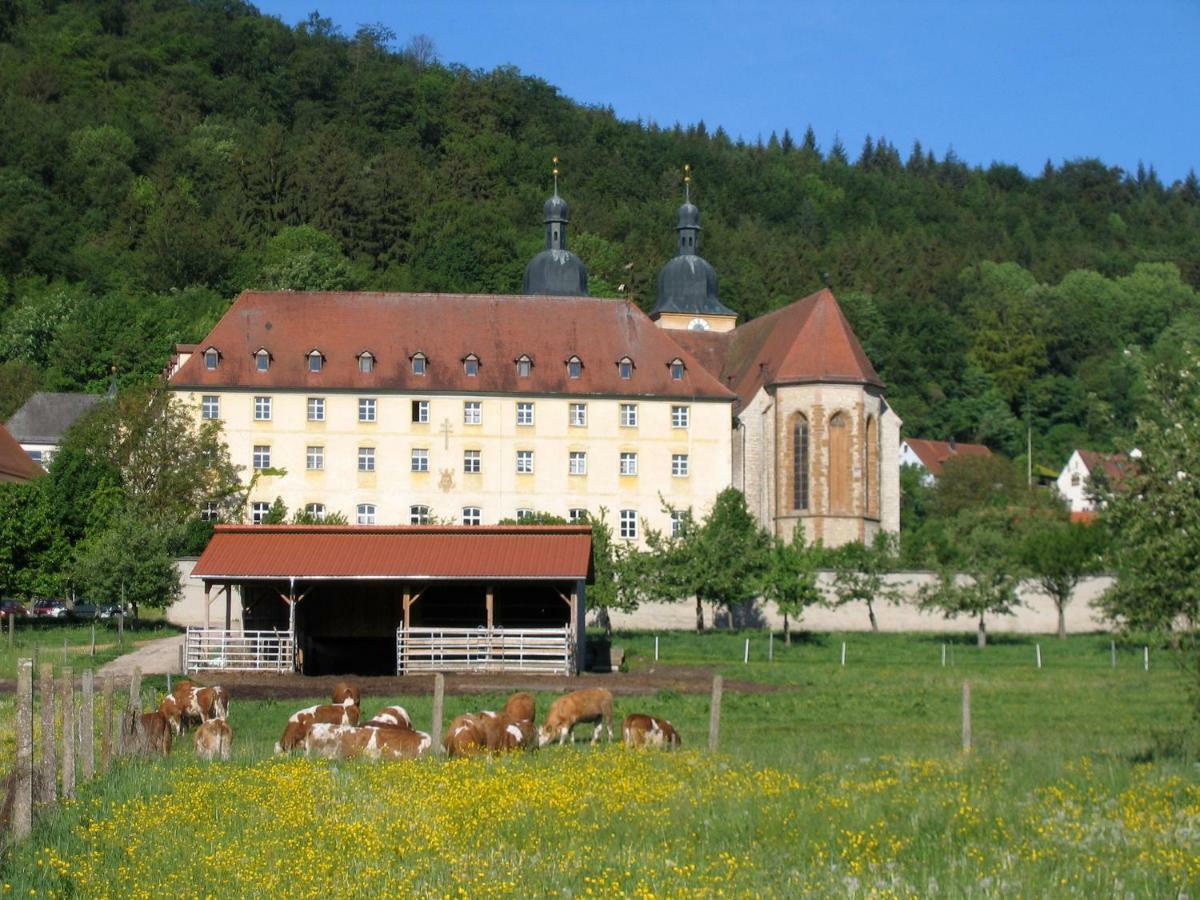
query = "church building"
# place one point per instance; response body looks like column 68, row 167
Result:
column 410, row 408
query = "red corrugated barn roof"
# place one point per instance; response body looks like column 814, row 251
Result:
column 411, row 553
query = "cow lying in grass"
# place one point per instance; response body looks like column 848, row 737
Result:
column 299, row 722
column 348, row 742
column 214, row 740
column 569, row 710
column 345, row 694
column 465, row 736
column 390, row 717
column 640, row 730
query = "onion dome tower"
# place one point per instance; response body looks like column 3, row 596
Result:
column 687, row 285
column 556, row 271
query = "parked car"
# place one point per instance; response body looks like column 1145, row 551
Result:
column 86, row 609
column 12, row 608
column 49, row 609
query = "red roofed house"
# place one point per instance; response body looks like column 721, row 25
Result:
column 418, row 408
column 930, row 455
column 15, row 463
column 1074, row 480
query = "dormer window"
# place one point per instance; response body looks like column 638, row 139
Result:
column 262, row 359
column 471, row 365
column 419, row 362
column 366, row 362
column 316, row 361
column 524, row 366
column 625, row 367
column 574, row 367
column 212, row 357
column 677, row 367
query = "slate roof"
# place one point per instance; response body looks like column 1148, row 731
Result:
column 934, row 453
column 45, row 417
column 15, row 463
column 445, row 328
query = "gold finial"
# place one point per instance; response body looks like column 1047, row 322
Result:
column 555, row 171
column 687, row 182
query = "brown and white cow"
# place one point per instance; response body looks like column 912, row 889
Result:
column 189, row 704
column 639, row 730
column 390, row 717
column 569, row 710
column 348, row 742
column 345, row 694
column 298, row 723
column 503, row 732
column 521, row 706
column 154, row 736
column 214, row 740
column 465, row 736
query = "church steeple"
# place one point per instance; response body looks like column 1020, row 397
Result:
column 556, row 270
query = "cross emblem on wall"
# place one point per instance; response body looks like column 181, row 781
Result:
column 446, row 429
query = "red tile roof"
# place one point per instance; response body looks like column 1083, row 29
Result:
column 446, row 328
column 15, row 463
column 934, row 453
column 413, row 552
column 1115, row 466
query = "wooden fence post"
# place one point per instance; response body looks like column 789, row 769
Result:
column 12, row 624
column 69, row 723
column 93, row 639
column 107, row 714
column 966, row 717
column 87, row 727
column 133, row 713
column 120, row 628
column 183, row 658
column 23, row 783
column 49, row 783
column 439, row 696
column 714, row 713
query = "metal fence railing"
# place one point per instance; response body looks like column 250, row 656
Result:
column 238, row 651
column 541, row 650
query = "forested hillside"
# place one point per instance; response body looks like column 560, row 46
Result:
column 158, row 156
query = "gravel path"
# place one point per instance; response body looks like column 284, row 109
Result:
column 157, row 657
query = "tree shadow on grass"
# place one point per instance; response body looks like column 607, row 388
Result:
column 970, row 639
column 1178, row 745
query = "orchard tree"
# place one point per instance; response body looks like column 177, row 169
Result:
column 860, row 574
column 1058, row 554
column 728, row 555
column 128, row 562
column 789, row 578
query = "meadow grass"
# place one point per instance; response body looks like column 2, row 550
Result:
column 48, row 636
column 836, row 781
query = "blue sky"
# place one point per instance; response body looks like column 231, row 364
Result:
column 1018, row 82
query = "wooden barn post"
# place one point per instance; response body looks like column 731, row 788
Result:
column 439, row 696
column 69, row 723
column 22, row 822
column 87, row 727
column 49, row 782
column 714, row 713
column 108, row 713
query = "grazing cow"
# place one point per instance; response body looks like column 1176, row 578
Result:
column 189, row 703
column 345, row 694
column 590, row 705
column 521, row 706
column 465, row 736
column 390, row 717
column 640, row 730
column 154, row 736
column 503, row 732
column 299, row 721
column 347, row 742
column 214, row 739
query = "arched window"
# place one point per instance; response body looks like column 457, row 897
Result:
column 471, row 365
column 839, row 463
column 419, row 361
column 211, row 358
column 524, row 366
column 676, row 366
column 316, row 360
column 625, row 367
column 574, row 367
column 871, row 467
column 366, row 362
column 262, row 359
column 799, row 462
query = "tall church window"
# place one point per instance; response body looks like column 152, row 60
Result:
column 871, row 475
column 839, row 463
column 799, row 462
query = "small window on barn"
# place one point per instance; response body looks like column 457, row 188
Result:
column 419, row 361
column 471, row 365
column 366, row 362
column 262, row 360
column 524, row 366
column 212, row 358
column 625, row 367
column 574, row 367
column 316, row 361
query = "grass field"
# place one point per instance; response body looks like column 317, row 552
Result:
column 843, row 781
column 48, row 636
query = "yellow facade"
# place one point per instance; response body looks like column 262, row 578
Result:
column 652, row 429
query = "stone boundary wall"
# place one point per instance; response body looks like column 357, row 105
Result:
column 1037, row 616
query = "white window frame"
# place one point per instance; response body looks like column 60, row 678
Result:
column 472, row 515
column 681, row 466
column 364, row 514
column 259, row 510
column 368, row 409
column 420, row 364
column 210, row 406
column 419, row 459
column 576, row 462
column 366, row 362
column 316, row 361
column 366, row 459
column 261, row 457
column 472, row 462
column 471, row 365
column 316, row 409
column 524, row 462
column 316, row 510
column 627, row 525
column 677, row 369
column 577, row 415
column 576, row 515
column 263, row 407
column 420, row 412
column 314, row 458
column 625, row 368
column 629, row 462
column 262, row 360
column 678, row 517
column 574, row 367
column 524, row 513
column 629, row 415
column 472, row 412
column 524, row 366
column 681, row 417
column 212, row 359
column 210, row 511
column 419, row 514
column 524, row 412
